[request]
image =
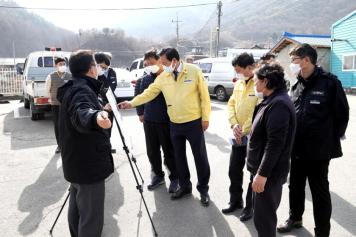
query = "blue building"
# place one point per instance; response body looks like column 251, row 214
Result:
column 343, row 50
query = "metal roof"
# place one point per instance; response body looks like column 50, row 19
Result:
column 322, row 41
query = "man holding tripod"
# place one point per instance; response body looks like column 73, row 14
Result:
column 85, row 145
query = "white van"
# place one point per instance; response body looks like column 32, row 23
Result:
column 137, row 69
column 36, row 69
column 220, row 76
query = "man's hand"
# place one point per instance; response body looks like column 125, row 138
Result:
column 205, row 125
column 258, row 184
column 107, row 107
column 103, row 120
column 124, row 105
column 141, row 118
column 237, row 130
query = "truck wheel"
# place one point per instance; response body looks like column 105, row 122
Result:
column 35, row 116
column 26, row 103
column 220, row 93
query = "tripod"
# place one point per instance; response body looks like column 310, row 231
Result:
column 138, row 185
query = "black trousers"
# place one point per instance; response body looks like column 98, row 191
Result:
column 86, row 209
column 158, row 135
column 265, row 208
column 193, row 132
column 237, row 164
column 317, row 174
column 55, row 112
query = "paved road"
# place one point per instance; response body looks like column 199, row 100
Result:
column 33, row 189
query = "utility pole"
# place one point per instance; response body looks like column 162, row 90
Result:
column 177, row 29
column 14, row 52
column 218, row 28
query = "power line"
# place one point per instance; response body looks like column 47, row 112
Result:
column 106, row 9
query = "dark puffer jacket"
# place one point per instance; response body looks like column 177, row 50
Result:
column 86, row 149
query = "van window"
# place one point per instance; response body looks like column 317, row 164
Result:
column 205, row 67
column 141, row 64
column 222, row 67
column 45, row 62
column 133, row 66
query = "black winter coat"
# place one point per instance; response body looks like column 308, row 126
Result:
column 322, row 116
column 154, row 111
column 85, row 147
column 272, row 134
column 109, row 81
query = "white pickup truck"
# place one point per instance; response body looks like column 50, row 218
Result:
column 38, row 66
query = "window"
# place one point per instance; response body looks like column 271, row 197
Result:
column 349, row 63
column 205, row 67
column 45, row 62
column 141, row 64
column 133, row 66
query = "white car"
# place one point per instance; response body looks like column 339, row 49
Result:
column 125, row 83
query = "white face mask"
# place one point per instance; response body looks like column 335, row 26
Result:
column 62, row 69
column 152, row 69
column 258, row 94
column 241, row 76
column 294, row 68
column 169, row 69
column 100, row 71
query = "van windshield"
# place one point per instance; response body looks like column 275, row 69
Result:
column 205, row 67
column 47, row 61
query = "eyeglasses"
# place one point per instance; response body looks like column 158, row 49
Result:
column 293, row 59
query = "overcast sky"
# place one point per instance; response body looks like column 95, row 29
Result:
column 75, row 20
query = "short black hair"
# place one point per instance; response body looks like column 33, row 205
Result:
column 102, row 58
column 170, row 53
column 58, row 60
column 80, row 62
column 268, row 56
column 305, row 50
column 274, row 74
column 152, row 53
column 243, row 60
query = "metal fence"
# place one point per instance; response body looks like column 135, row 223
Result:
column 10, row 82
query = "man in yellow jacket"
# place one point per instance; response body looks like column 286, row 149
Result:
column 188, row 107
column 240, row 108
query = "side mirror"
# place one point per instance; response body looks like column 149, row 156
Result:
column 19, row 70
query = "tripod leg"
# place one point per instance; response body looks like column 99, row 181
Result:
column 60, row 211
column 139, row 187
column 138, row 170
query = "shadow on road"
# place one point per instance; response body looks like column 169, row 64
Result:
column 114, row 199
column 48, row 189
column 187, row 217
column 26, row 133
column 215, row 140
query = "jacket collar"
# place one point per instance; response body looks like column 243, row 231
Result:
column 312, row 78
column 94, row 84
column 268, row 99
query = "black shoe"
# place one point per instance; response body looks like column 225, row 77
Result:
column 174, row 186
column 156, row 181
column 181, row 193
column 233, row 206
column 113, row 151
column 288, row 225
column 58, row 150
column 246, row 215
column 204, row 200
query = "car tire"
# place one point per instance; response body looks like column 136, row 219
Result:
column 220, row 93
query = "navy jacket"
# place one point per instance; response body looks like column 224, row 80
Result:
column 272, row 135
column 322, row 116
column 156, row 110
column 86, row 148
